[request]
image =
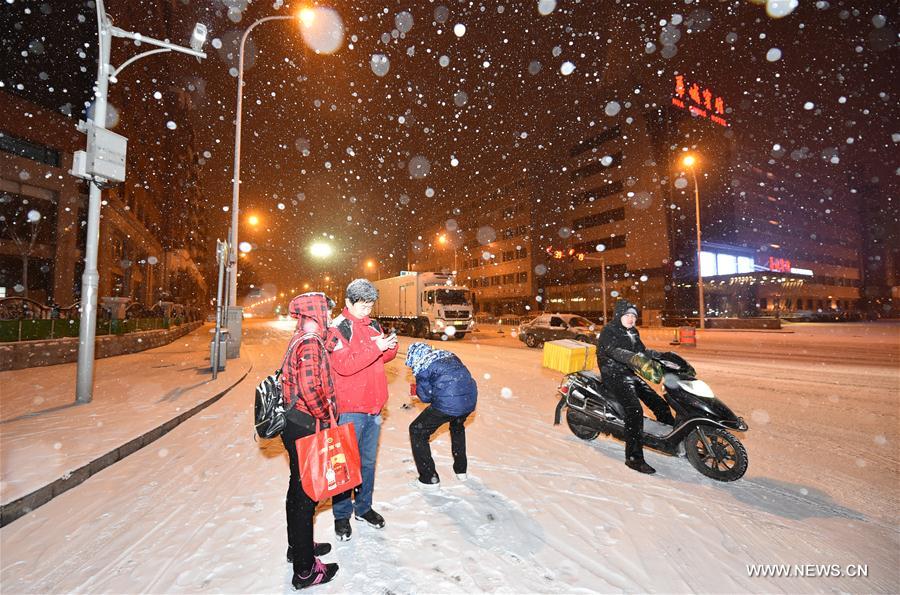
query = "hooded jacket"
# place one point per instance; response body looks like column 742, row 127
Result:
column 358, row 364
column 306, row 375
column 442, row 380
column 617, row 344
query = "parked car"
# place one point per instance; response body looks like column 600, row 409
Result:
column 549, row 327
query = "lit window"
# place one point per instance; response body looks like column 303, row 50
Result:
column 744, row 264
column 707, row 264
column 726, row 264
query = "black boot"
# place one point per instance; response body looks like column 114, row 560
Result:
column 640, row 465
column 319, row 549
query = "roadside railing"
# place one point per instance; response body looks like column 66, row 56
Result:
column 22, row 319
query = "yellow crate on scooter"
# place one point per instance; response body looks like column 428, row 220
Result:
column 568, row 355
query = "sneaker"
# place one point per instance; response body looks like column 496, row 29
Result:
column 640, row 466
column 427, row 487
column 373, row 518
column 317, row 575
column 462, row 476
column 342, row 529
column 319, row 549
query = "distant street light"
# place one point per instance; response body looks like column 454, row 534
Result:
column 253, row 220
column 321, row 250
column 90, row 280
column 689, row 161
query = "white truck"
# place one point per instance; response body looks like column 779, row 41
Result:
column 425, row 304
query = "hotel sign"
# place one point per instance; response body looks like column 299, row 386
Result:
column 698, row 100
column 780, row 265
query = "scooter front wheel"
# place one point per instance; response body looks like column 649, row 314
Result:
column 579, row 423
column 720, row 456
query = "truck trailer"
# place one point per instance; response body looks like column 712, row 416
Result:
column 425, row 304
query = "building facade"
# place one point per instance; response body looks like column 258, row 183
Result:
column 42, row 222
column 610, row 211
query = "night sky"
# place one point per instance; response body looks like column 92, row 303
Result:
column 407, row 117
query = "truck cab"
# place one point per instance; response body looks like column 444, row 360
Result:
column 448, row 306
column 423, row 304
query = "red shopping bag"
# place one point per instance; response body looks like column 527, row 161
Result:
column 329, row 461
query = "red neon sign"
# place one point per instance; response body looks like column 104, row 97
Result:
column 699, row 101
column 780, row 265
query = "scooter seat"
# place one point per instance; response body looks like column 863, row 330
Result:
column 590, row 375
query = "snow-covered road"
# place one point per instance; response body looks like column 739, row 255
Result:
column 201, row 509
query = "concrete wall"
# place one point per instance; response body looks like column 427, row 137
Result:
column 29, row 354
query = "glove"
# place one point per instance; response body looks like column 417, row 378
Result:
column 646, row 368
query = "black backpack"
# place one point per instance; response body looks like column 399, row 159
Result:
column 268, row 408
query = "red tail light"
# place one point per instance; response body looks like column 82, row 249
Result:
column 564, row 389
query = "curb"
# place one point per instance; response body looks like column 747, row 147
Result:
column 28, row 503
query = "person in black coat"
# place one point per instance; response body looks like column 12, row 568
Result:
column 443, row 381
column 620, row 352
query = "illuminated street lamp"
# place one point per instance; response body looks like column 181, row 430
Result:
column 253, row 220
column 689, row 161
column 306, row 18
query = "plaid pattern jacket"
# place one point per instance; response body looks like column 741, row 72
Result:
column 306, row 375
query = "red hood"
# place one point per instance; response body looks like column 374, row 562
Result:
column 311, row 305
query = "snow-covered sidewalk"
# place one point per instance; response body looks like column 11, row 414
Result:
column 49, row 444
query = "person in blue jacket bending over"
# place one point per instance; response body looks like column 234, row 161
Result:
column 444, row 382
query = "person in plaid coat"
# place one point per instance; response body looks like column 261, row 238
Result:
column 306, row 381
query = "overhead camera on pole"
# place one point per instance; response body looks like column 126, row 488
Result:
column 198, row 38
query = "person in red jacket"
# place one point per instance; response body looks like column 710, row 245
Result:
column 359, row 349
column 306, row 382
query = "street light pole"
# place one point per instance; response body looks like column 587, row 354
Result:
column 236, row 178
column 699, row 269
column 235, row 312
column 90, row 279
column 603, row 284
column 602, row 260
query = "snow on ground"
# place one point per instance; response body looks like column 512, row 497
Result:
column 44, row 435
column 201, row 510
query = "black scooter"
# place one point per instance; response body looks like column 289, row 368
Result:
column 702, row 422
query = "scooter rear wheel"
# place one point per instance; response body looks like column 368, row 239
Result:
column 579, row 424
column 727, row 461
